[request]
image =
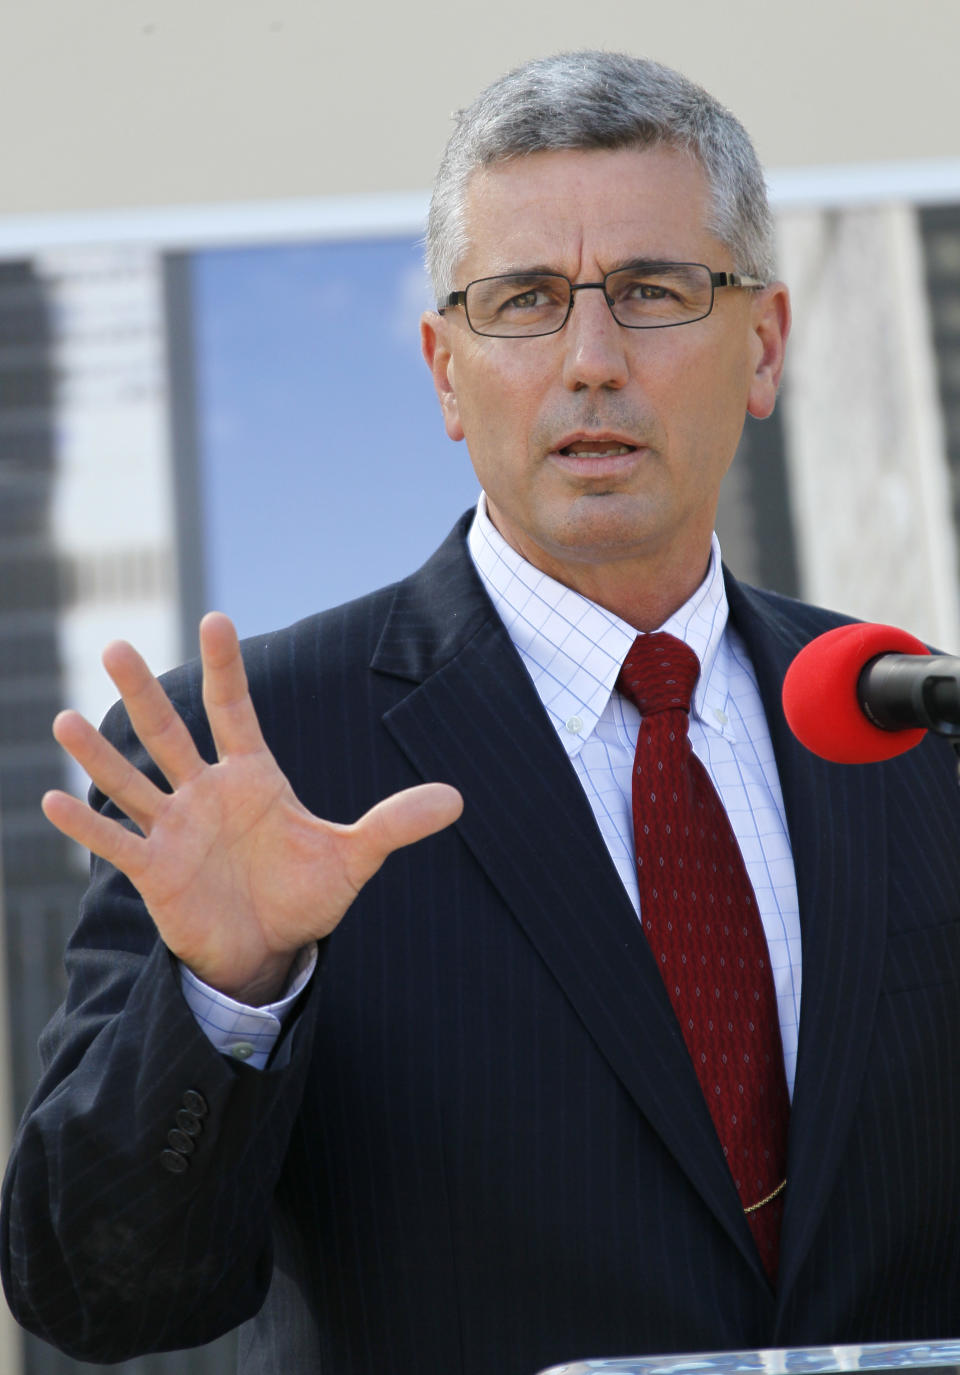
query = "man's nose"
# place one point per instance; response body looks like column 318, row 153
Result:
column 595, row 347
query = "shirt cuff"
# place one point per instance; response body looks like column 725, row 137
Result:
column 244, row 1033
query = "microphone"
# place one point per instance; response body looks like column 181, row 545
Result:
column 862, row 693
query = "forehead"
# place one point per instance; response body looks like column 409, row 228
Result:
column 575, row 209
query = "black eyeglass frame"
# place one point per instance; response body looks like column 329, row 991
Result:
column 717, row 279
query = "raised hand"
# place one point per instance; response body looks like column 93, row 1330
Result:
column 235, row 872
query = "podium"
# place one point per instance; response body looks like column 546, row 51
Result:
column 796, row 1360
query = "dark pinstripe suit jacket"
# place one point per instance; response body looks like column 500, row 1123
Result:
column 487, row 1150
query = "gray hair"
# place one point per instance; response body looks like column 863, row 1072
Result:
column 602, row 100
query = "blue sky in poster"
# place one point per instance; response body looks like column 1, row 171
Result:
column 325, row 468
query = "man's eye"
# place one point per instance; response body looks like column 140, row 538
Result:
column 648, row 291
column 527, row 300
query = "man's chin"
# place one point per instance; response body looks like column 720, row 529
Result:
column 609, row 525
column 595, row 527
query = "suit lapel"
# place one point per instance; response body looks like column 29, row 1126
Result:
column 473, row 718
column 836, row 819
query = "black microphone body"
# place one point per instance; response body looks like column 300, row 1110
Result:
column 904, row 691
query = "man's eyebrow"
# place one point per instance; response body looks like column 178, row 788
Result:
column 645, row 262
column 546, row 269
column 537, row 270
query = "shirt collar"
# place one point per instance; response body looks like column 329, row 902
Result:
column 573, row 648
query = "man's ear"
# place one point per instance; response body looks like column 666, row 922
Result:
column 438, row 357
column 771, row 325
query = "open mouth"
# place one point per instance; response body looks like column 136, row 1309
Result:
column 580, row 449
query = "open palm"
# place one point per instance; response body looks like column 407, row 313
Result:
column 235, row 872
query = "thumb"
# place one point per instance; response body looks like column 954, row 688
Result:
column 399, row 820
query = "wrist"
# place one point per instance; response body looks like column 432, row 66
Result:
column 267, row 985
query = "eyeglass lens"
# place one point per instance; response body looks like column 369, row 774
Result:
column 648, row 296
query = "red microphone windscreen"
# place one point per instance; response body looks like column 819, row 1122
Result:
column 820, row 694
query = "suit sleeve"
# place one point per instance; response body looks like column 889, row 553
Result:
column 116, row 1242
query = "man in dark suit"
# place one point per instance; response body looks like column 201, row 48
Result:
column 412, row 1089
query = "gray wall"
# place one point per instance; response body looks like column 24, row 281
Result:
column 145, row 102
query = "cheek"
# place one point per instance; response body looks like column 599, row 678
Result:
column 498, row 408
column 705, row 399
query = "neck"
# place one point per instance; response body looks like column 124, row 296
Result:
column 644, row 591
column 641, row 595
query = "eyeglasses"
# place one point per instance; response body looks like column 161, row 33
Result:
column 645, row 295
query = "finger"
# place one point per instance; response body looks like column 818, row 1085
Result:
column 106, row 838
column 158, row 726
column 226, row 695
column 115, row 776
column 400, row 820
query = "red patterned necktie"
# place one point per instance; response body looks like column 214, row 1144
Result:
column 700, row 917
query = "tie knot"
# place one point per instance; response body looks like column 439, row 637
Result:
column 659, row 673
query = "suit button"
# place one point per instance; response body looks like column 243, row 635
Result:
column 188, row 1122
column 196, row 1103
column 173, row 1161
column 181, row 1142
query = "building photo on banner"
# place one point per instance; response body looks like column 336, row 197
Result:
column 226, row 407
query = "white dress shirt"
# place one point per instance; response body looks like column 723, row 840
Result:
column 573, row 650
